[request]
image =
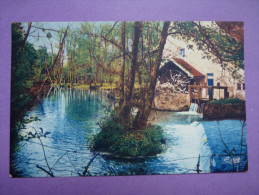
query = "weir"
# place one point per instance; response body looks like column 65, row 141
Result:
column 193, row 107
column 74, row 114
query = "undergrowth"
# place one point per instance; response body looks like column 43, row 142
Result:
column 228, row 101
column 122, row 141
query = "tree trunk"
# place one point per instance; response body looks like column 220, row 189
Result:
column 140, row 121
column 96, row 74
column 234, row 29
column 61, row 71
column 149, row 47
column 122, row 70
column 71, row 70
column 55, row 60
column 54, row 76
column 126, row 106
column 47, row 70
column 25, row 38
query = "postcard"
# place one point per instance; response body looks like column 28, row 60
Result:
column 127, row 98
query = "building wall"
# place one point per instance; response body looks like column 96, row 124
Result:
column 165, row 99
column 194, row 57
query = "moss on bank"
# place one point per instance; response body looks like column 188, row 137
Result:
column 113, row 138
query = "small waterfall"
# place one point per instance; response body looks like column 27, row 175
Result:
column 202, row 145
column 189, row 149
column 193, row 107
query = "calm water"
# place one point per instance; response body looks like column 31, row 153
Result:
column 71, row 116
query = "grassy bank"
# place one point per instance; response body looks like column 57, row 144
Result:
column 105, row 86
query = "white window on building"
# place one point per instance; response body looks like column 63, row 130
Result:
column 182, row 52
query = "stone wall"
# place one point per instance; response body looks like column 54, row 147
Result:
column 194, row 57
column 224, row 111
column 166, row 100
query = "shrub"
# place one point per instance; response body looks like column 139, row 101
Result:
column 228, row 101
column 115, row 139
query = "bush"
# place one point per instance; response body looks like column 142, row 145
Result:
column 115, row 139
column 228, row 101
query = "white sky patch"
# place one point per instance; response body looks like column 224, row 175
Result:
column 39, row 38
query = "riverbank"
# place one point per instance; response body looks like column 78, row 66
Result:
column 232, row 108
column 33, row 100
column 71, row 117
column 175, row 104
column 217, row 109
column 224, row 111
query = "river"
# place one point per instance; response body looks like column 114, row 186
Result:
column 69, row 117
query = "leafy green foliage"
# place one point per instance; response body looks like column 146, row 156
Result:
column 28, row 66
column 114, row 139
column 216, row 44
column 22, row 71
column 228, row 101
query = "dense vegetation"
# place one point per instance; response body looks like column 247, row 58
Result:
column 26, row 67
column 114, row 139
column 228, row 101
column 107, row 55
column 122, row 56
column 224, row 45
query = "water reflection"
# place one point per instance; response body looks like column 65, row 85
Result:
column 71, row 116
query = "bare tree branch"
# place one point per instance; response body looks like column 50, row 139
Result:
column 50, row 174
column 25, row 38
column 38, row 136
column 45, row 29
column 111, row 29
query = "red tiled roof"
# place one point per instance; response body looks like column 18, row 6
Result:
column 188, row 67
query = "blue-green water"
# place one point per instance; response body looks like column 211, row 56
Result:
column 71, row 117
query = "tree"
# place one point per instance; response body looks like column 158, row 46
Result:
column 126, row 106
column 217, row 45
column 140, row 121
column 57, row 57
column 25, row 38
column 22, row 71
column 122, row 70
column 234, row 29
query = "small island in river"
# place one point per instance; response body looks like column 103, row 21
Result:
column 127, row 98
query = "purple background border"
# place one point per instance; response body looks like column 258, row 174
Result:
column 56, row 10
